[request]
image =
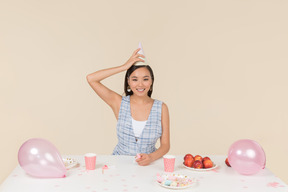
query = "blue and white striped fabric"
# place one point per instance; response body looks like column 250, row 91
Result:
column 127, row 144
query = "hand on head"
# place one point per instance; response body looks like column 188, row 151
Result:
column 133, row 59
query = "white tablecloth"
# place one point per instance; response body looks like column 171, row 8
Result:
column 127, row 176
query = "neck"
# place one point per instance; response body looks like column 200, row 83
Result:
column 140, row 99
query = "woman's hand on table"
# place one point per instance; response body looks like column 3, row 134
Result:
column 144, row 160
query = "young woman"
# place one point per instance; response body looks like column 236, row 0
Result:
column 141, row 120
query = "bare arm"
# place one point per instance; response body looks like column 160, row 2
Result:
column 164, row 140
column 112, row 98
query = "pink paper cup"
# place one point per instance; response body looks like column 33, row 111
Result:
column 90, row 161
column 169, row 162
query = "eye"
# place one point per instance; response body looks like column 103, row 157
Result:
column 134, row 79
column 146, row 79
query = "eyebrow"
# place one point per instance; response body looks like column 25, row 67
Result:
column 143, row 77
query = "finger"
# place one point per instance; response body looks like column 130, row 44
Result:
column 141, row 163
column 141, row 154
column 139, row 160
column 137, row 56
column 136, row 51
column 140, row 60
column 136, row 60
column 140, row 55
column 133, row 61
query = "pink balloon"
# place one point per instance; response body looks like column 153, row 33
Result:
column 247, row 157
column 40, row 158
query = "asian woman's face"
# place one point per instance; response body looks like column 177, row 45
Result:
column 140, row 81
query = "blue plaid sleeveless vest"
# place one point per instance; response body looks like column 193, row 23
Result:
column 127, row 144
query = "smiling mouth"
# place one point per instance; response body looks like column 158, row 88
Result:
column 140, row 90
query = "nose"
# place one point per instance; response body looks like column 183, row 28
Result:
column 140, row 83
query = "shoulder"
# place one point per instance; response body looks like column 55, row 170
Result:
column 126, row 98
column 164, row 107
column 160, row 102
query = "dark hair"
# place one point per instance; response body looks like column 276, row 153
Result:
column 130, row 71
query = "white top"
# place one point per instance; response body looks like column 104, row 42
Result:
column 138, row 127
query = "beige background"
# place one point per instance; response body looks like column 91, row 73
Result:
column 220, row 66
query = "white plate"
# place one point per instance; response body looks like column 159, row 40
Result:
column 69, row 162
column 202, row 169
column 166, row 176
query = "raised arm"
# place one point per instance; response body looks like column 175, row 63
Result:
column 112, row 98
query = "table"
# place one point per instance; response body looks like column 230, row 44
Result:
column 127, row 176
